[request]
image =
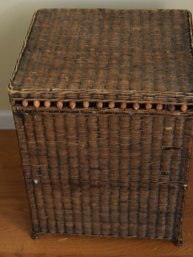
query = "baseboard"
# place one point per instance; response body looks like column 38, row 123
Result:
column 6, row 120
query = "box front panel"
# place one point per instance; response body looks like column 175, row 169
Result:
column 113, row 174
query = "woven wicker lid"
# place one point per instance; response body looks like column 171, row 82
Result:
column 103, row 53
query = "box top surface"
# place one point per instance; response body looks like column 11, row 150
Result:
column 90, row 53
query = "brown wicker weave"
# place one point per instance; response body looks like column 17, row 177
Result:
column 103, row 104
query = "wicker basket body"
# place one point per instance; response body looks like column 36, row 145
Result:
column 102, row 101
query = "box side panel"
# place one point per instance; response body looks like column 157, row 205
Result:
column 112, row 174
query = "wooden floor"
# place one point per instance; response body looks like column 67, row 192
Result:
column 15, row 225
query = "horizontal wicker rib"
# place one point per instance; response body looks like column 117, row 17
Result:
column 103, row 106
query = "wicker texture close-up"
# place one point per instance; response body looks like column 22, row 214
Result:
column 103, row 102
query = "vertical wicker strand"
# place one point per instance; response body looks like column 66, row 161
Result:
column 66, row 44
column 73, row 170
column 104, row 176
column 156, row 147
column 114, row 176
column 62, row 157
column 56, row 36
column 88, row 30
column 151, row 71
column 33, row 121
column 21, row 122
column 41, row 153
column 67, row 182
column 142, row 49
column 109, row 51
column 57, row 166
column 62, row 37
column 81, row 180
column 182, row 40
column 170, row 60
column 174, row 176
column 129, row 178
column 175, row 67
column 186, row 153
column 158, row 159
column 146, row 141
column 112, row 189
column 120, row 47
column 42, row 58
column 97, row 227
column 161, row 78
column 45, row 179
column 149, row 135
column 82, row 121
column 134, row 172
column 54, row 171
column 94, row 172
column 80, row 28
column 51, row 187
column 124, row 176
column 101, row 32
column 168, row 141
column 137, row 52
column 185, row 164
column 77, row 194
column 179, row 197
column 138, row 179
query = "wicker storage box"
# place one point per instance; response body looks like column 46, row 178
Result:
column 103, row 102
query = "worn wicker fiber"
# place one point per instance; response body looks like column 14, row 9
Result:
column 103, row 102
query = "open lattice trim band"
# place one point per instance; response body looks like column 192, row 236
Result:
column 59, row 104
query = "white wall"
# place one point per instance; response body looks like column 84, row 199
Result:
column 15, row 16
